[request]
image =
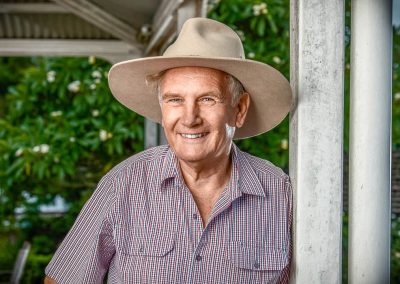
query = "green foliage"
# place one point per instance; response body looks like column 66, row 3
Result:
column 34, row 269
column 60, row 131
column 264, row 30
column 395, row 250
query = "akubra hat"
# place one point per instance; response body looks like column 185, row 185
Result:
column 206, row 43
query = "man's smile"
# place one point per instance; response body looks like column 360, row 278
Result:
column 193, row 135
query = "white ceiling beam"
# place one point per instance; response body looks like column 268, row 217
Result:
column 23, row 8
column 101, row 19
column 161, row 33
column 169, row 19
column 108, row 49
column 164, row 26
column 167, row 9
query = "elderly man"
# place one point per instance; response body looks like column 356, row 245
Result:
column 197, row 210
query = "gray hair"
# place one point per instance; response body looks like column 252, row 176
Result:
column 233, row 85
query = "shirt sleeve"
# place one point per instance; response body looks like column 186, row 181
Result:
column 85, row 253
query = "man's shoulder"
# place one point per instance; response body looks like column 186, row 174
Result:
column 264, row 167
column 141, row 160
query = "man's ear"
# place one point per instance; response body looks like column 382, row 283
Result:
column 242, row 107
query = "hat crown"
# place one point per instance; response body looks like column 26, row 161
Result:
column 206, row 38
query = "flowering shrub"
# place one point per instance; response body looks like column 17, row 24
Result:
column 60, row 131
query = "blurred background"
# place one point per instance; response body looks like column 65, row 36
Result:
column 61, row 130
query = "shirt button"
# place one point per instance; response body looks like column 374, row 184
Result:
column 256, row 265
column 198, row 257
column 195, row 216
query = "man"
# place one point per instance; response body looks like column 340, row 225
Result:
column 197, row 210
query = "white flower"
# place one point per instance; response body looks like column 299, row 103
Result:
column 92, row 86
column 44, row 148
column 51, row 76
column 96, row 74
column 19, row 152
column 397, row 254
column 260, row 9
column 74, row 86
column 263, row 8
column 284, row 144
column 277, row 60
column 95, row 113
column 251, row 55
column 97, row 81
column 103, row 135
column 92, row 60
column 397, row 97
column 72, row 139
column 56, row 113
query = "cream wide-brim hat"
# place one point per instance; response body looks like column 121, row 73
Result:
column 206, row 43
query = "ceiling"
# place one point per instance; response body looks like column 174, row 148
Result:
column 115, row 30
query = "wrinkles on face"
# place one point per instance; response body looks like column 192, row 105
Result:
column 197, row 115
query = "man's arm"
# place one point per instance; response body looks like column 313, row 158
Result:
column 85, row 253
column 48, row 280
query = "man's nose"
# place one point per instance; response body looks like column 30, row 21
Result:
column 191, row 116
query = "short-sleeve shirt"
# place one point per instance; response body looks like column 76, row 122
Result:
column 141, row 225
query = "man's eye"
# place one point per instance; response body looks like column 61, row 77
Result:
column 208, row 100
column 173, row 100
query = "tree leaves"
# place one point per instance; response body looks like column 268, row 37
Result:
column 50, row 130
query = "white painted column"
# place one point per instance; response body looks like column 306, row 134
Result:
column 316, row 139
column 370, row 141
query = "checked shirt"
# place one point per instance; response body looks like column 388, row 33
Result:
column 141, row 225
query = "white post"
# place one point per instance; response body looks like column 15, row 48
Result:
column 370, row 141
column 316, row 139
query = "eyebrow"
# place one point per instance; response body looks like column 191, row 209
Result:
column 214, row 94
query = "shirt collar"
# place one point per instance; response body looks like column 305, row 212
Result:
column 243, row 177
column 170, row 167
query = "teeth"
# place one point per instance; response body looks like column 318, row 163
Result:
column 193, row 136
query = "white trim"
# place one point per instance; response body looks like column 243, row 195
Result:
column 100, row 48
column 31, row 8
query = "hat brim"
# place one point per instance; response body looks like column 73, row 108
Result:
column 270, row 92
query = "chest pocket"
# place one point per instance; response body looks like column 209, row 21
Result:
column 257, row 257
column 140, row 242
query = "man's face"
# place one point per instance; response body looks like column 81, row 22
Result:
column 197, row 113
